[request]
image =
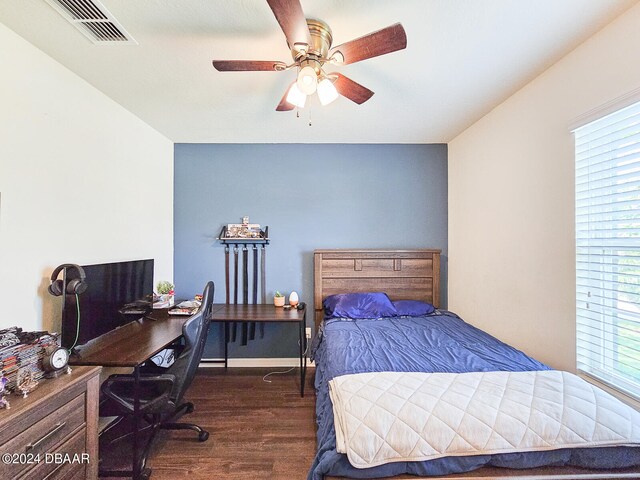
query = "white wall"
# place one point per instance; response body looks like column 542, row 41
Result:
column 82, row 180
column 511, row 198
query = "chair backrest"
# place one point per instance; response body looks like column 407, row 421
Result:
column 194, row 331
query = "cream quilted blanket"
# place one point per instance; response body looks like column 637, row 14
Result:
column 394, row 417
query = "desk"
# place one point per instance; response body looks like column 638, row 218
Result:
column 133, row 343
column 263, row 313
column 130, row 346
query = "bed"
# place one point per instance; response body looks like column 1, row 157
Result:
column 437, row 342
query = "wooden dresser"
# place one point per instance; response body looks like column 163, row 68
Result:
column 53, row 433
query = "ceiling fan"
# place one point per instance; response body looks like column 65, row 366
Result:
column 310, row 43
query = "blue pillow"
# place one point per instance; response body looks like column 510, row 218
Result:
column 359, row 305
column 413, row 308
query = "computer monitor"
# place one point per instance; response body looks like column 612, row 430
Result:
column 117, row 293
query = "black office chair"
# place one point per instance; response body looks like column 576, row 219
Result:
column 161, row 395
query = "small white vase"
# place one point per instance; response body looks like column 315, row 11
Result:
column 293, row 299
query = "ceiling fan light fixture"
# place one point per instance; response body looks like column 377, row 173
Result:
column 307, row 80
column 327, row 92
column 310, row 41
column 296, row 96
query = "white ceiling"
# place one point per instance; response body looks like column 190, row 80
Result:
column 463, row 58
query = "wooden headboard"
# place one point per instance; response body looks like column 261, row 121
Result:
column 401, row 274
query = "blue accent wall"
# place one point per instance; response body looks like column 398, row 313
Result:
column 311, row 197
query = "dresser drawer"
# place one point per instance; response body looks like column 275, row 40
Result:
column 43, row 436
column 65, row 466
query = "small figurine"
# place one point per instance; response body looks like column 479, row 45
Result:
column 26, row 382
column 4, row 403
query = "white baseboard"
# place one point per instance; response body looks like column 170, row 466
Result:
column 257, row 362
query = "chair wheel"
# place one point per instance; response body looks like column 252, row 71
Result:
column 203, row 436
column 189, row 408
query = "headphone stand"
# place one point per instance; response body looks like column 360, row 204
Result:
column 64, row 302
column 64, row 287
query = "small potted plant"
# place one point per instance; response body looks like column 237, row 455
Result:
column 165, row 291
column 278, row 299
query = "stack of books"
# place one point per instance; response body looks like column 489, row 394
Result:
column 21, row 353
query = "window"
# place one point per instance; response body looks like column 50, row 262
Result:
column 608, row 249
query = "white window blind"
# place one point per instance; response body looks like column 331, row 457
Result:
column 608, row 249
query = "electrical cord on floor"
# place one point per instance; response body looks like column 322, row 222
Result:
column 264, row 379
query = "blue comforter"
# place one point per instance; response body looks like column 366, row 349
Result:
column 440, row 342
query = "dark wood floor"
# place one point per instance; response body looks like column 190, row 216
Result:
column 258, row 430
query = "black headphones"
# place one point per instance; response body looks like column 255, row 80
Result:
column 75, row 286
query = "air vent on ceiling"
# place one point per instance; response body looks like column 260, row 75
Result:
column 93, row 20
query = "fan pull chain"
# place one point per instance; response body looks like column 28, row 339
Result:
column 309, row 117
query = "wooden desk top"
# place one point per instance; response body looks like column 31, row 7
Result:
column 133, row 343
column 255, row 313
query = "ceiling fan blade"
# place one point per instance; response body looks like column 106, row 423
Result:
column 291, row 19
column 285, row 106
column 248, row 66
column 350, row 89
column 383, row 41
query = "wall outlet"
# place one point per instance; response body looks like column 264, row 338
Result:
column 308, row 331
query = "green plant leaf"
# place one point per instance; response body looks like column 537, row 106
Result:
column 163, row 287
